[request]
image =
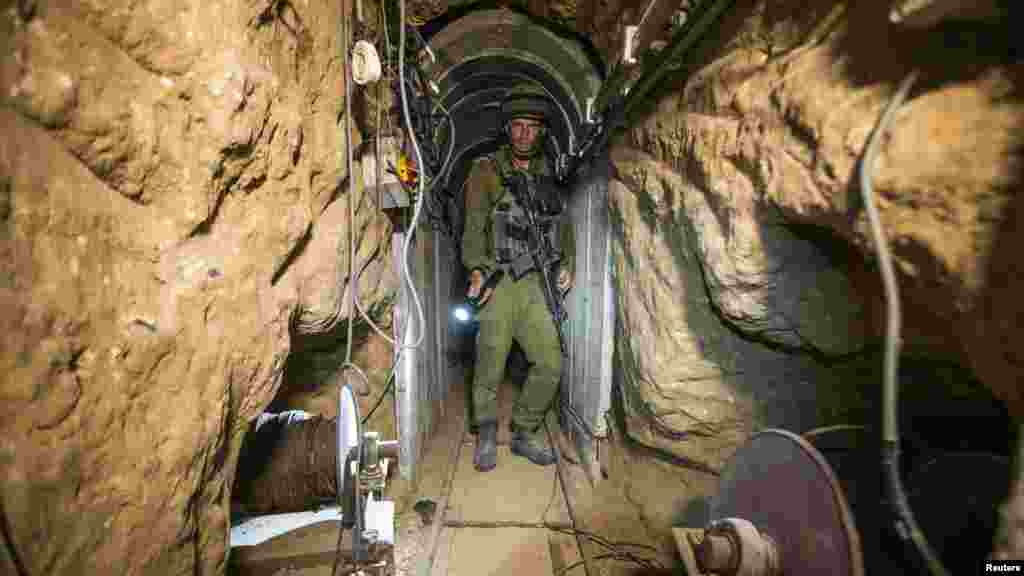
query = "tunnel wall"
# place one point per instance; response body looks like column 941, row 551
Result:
column 170, row 216
column 747, row 282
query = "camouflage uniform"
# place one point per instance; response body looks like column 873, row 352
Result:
column 516, row 309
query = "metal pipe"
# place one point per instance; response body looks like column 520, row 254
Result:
column 925, row 13
column 682, row 41
column 652, row 72
column 440, row 313
column 388, row 448
column 405, row 375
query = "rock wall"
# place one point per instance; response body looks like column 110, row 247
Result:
column 173, row 224
column 173, row 204
column 748, row 290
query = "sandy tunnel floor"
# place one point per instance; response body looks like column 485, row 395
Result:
column 514, row 519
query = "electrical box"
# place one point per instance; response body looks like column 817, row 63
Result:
column 389, row 190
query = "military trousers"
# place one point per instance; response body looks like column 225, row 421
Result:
column 517, row 311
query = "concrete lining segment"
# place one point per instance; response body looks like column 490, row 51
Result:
column 490, row 34
column 503, row 30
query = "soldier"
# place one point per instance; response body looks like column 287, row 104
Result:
column 496, row 239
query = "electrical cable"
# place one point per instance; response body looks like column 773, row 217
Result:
column 608, row 556
column 614, row 547
column 346, row 42
column 420, row 195
column 380, row 399
column 355, row 300
column 348, row 365
column 815, row 432
column 586, row 429
column 565, row 493
column 906, row 524
column 442, row 175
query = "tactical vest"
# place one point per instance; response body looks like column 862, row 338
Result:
column 513, row 248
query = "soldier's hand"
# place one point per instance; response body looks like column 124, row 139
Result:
column 476, row 280
column 564, row 280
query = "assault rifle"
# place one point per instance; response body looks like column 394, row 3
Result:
column 545, row 258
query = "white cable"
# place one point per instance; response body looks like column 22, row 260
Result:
column 357, row 370
column 355, row 283
column 351, row 187
column 340, row 480
column 419, row 182
column 362, row 312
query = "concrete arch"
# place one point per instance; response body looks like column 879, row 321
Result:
column 486, row 51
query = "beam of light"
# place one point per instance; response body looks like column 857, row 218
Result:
column 462, row 314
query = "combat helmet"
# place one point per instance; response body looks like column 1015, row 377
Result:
column 526, row 100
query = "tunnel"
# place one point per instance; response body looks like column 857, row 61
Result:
column 474, row 60
column 237, row 336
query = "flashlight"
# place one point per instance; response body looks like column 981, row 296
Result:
column 464, row 313
column 468, row 310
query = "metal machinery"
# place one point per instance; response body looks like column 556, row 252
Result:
column 779, row 510
column 364, row 457
column 363, row 470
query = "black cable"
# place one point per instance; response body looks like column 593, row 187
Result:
column 551, row 500
column 587, row 430
column 380, row 399
column 609, row 556
column 337, row 548
column 613, row 547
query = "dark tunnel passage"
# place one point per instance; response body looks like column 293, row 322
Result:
column 231, row 282
column 475, row 56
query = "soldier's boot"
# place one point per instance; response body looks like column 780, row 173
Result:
column 533, row 446
column 486, row 456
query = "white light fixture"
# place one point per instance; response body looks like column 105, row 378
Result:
column 365, row 63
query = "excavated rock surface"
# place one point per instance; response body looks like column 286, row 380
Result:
column 165, row 168
column 173, row 221
column 769, row 135
column 745, row 270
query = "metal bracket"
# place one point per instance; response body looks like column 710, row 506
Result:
column 389, row 190
column 630, row 35
column 590, row 115
column 926, row 13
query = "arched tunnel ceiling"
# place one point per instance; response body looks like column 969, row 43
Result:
column 485, row 52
